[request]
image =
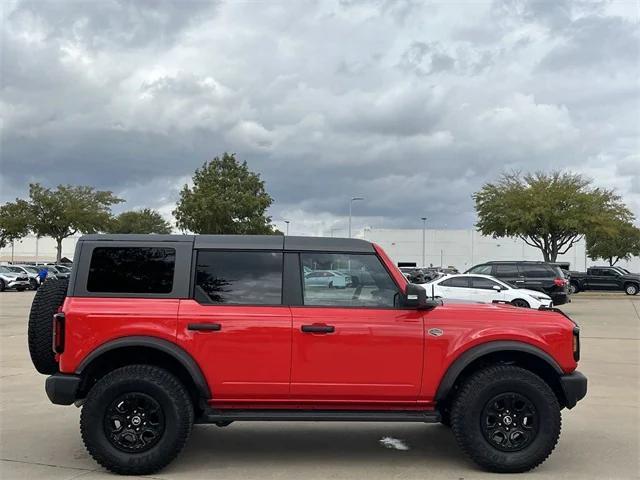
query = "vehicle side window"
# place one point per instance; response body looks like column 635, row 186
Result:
column 348, row 280
column 459, row 282
column 537, row 271
column 506, row 270
column 609, row 272
column 481, row 269
column 483, row 283
column 239, row 278
column 131, row 270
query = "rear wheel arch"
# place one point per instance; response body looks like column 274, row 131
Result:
column 500, row 352
column 144, row 350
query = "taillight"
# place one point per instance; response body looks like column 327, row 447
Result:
column 559, row 282
column 58, row 332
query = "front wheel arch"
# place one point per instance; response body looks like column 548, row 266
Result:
column 628, row 284
column 495, row 353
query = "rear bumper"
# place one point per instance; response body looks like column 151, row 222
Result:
column 574, row 386
column 62, row 388
column 559, row 298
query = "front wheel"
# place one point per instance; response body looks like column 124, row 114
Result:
column 506, row 418
column 518, row 302
column 573, row 288
column 631, row 289
column 136, row 419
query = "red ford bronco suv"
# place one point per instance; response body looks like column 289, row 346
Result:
column 153, row 333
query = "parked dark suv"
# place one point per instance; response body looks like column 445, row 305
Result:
column 540, row 276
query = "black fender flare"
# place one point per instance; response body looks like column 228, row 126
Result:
column 164, row 346
column 474, row 353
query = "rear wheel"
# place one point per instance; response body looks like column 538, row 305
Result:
column 136, row 420
column 518, row 302
column 46, row 302
column 631, row 289
column 573, row 288
column 506, row 418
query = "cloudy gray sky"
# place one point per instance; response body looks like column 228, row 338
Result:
column 410, row 104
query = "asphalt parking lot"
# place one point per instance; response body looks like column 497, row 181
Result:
column 600, row 438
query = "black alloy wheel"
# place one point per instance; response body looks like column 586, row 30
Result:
column 509, row 422
column 134, row 422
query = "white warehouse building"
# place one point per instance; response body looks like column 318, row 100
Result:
column 459, row 248
column 464, row 248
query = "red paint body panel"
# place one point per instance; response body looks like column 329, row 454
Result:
column 375, row 359
column 90, row 322
column 249, row 358
column 373, row 355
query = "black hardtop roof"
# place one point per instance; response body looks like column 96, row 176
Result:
column 246, row 242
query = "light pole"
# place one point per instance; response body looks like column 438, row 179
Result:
column 424, row 234
column 287, row 222
column 353, row 199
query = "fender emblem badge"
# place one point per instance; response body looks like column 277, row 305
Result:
column 436, row 332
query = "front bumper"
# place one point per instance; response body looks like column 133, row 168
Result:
column 574, row 386
column 19, row 284
column 62, row 388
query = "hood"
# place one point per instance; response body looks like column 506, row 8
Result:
column 533, row 293
column 9, row 274
column 631, row 276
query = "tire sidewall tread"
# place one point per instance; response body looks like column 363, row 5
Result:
column 48, row 299
column 166, row 389
column 471, row 400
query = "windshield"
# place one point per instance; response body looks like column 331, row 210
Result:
column 15, row 269
column 4, row 269
column 63, row 269
column 31, row 269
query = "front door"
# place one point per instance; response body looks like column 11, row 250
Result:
column 236, row 327
column 352, row 345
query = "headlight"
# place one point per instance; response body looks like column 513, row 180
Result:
column 543, row 299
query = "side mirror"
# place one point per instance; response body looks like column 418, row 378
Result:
column 416, row 297
column 497, row 288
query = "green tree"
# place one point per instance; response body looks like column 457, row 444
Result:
column 618, row 241
column 139, row 221
column 226, row 198
column 67, row 210
column 14, row 222
column 550, row 212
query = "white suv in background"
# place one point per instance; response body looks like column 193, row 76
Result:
column 486, row 289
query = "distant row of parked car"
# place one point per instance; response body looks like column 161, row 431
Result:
column 29, row 277
column 529, row 284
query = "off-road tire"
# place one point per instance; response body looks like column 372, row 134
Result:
column 631, row 289
column 472, row 398
column 519, row 302
column 46, row 302
column 155, row 382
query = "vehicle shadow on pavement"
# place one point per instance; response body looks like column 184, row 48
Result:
column 290, row 444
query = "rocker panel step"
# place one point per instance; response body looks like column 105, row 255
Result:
column 216, row 416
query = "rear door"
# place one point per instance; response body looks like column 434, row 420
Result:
column 455, row 288
column 353, row 345
column 509, row 272
column 236, row 326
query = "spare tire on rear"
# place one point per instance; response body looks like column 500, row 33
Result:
column 48, row 299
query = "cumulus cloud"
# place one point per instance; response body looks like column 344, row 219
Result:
column 409, row 104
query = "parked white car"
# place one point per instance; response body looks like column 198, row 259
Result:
column 486, row 289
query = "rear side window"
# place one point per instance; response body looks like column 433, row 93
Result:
column 506, row 270
column 456, row 282
column 537, row 271
column 131, row 270
column 239, row 278
column 481, row 269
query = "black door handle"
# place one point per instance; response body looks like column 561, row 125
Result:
column 207, row 327
column 318, row 328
